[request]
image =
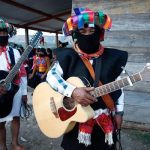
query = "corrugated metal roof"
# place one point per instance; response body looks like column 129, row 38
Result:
column 46, row 15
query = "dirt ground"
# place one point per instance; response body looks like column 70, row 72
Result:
column 33, row 139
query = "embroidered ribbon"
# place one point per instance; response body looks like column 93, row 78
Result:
column 108, row 23
column 86, row 17
column 101, row 17
column 103, row 119
column 89, row 56
column 2, row 49
column 75, row 21
column 80, row 21
column 69, row 22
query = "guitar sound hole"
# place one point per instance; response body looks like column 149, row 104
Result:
column 68, row 103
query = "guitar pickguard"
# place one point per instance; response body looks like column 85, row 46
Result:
column 64, row 114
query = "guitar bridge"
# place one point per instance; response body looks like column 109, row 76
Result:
column 53, row 107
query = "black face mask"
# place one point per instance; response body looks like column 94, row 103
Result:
column 41, row 55
column 3, row 40
column 89, row 43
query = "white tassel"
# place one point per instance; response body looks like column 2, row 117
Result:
column 108, row 138
column 84, row 138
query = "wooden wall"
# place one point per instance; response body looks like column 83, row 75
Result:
column 130, row 30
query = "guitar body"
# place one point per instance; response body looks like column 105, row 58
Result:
column 6, row 100
column 63, row 120
column 57, row 114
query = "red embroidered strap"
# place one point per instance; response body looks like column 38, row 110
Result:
column 3, row 49
column 105, row 122
column 106, row 98
column 89, row 56
column 8, row 64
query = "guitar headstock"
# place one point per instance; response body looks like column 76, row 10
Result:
column 145, row 73
column 35, row 39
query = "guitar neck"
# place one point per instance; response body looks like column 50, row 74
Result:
column 115, row 85
column 15, row 69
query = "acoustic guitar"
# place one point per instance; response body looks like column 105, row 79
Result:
column 57, row 114
column 6, row 79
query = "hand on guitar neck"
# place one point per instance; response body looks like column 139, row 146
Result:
column 2, row 90
column 82, row 95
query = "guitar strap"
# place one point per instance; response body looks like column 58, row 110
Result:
column 106, row 98
column 98, row 68
column 11, row 55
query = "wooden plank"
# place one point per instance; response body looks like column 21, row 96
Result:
column 115, row 6
column 131, row 21
column 133, row 50
column 128, row 38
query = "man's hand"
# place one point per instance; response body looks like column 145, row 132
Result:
column 2, row 90
column 82, row 96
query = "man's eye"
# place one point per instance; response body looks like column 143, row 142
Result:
column 92, row 30
column 81, row 31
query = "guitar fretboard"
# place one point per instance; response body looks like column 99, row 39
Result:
column 115, row 85
column 15, row 69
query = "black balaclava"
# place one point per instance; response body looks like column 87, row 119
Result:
column 42, row 52
column 89, row 43
column 3, row 40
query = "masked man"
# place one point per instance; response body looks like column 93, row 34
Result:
column 8, row 58
column 87, row 29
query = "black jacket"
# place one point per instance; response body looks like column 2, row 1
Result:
column 112, row 61
column 72, row 65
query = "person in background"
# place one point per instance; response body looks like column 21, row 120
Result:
column 42, row 41
column 6, row 31
column 49, row 53
column 41, row 66
column 87, row 29
column 62, row 44
column 20, row 49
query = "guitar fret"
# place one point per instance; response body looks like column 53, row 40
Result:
column 96, row 93
column 101, row 90
column 109, row 85
column 137, row 77
column 132, row 79
column 123, row 83
column 125, row 80
column 104, row 89
column 120, row 83
column 107, row 88
column 116, row 85
column 113, row 86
